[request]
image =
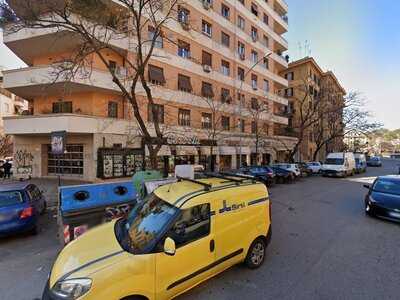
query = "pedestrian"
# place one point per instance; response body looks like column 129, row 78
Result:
column 7, row 169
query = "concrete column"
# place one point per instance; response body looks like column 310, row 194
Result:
column 234, row 162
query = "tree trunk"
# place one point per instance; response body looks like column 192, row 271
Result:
column 153, row 157
column 211, row 163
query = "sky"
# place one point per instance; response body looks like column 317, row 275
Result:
column 358, row 40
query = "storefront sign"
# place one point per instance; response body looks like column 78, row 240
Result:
column 58, row 142
column 180, row 141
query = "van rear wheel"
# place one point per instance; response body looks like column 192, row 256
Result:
column 256, row 254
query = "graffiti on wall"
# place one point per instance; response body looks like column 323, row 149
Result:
column 23, row 162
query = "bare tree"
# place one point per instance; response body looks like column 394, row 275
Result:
column 257, row 111
column 98, row 24
column 349, row 118
column 6, row 146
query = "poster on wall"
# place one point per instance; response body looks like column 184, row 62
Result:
column 58, row 142
column 108, row 166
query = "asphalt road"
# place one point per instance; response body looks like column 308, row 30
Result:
column 323, row 247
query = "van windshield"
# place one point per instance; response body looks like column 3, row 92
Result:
column 146, row 223
column 334, row 161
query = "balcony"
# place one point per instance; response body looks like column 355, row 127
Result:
column 30, row 43
column 284, row 131
column 71, row 123
column 36, row 81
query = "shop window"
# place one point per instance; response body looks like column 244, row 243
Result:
column 68, row 164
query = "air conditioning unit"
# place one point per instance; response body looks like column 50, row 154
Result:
column 207, row 68
column 241, row 56
column 206, row 4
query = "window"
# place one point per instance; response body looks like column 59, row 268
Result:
column 254, row 56
column 156, row 75
column 112, row 109
column 225, row 95
column 266, row 63
column 62, row 107
column 184, row 83
column 266, row 86
column 266, row 41
column 254, row 81
column 206, row 28
column 158, row 114
column 240, row 22
column 254, row 33
column 113, row 65
column 241, row 125
column 193, row 224
column 240, row 74
column 68, row 164
column 289, row 92
column 254, row 9
column 241, row 48
column 241, row 99
column 225, row 123
column 159, row 40
column 184, row 117
column 183, row 49
column 225, row 39
column 254, row 103
column 206, row 58
column 253, row 127
column 183, row 15
column 206, row 121
column 265, row 19
column 289, row 76
column 225, row 11
column 225, row 68
column 207, row 90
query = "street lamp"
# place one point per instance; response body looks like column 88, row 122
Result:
column 240, row 102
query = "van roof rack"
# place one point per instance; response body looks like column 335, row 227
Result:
column 243, row 176
column 206, row 186
column 228, row 176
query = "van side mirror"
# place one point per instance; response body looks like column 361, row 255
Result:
column 169, row 246
column 367, row 186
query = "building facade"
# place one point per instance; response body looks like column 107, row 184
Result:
column 225, row 51
column 316, row 101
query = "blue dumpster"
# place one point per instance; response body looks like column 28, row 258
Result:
column 84, row 206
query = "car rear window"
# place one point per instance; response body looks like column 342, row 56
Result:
column 10, row 198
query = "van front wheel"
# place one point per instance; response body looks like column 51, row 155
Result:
column 255, row 256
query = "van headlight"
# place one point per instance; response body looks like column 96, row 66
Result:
column 72, row 289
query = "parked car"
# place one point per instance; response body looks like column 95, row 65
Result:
column 361, row 162
column 262, row 173
column 168, row 243
column 294, row 168
column 339, row 164
column 304, row 169
column 374, row 161
column 20, row 206
column 383, row 198
column 282, row 175
column 315, row 167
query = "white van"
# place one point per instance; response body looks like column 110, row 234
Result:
column 339, row 164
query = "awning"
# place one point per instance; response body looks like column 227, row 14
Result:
column 184, row 83
column 186, row 150
column 206, row 90
column 164, row 151
column 156, row 74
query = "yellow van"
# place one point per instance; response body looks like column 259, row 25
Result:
column 180, row 235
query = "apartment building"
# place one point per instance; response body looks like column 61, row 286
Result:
column 230, row 51
column 313, row 94
column 10, row 104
